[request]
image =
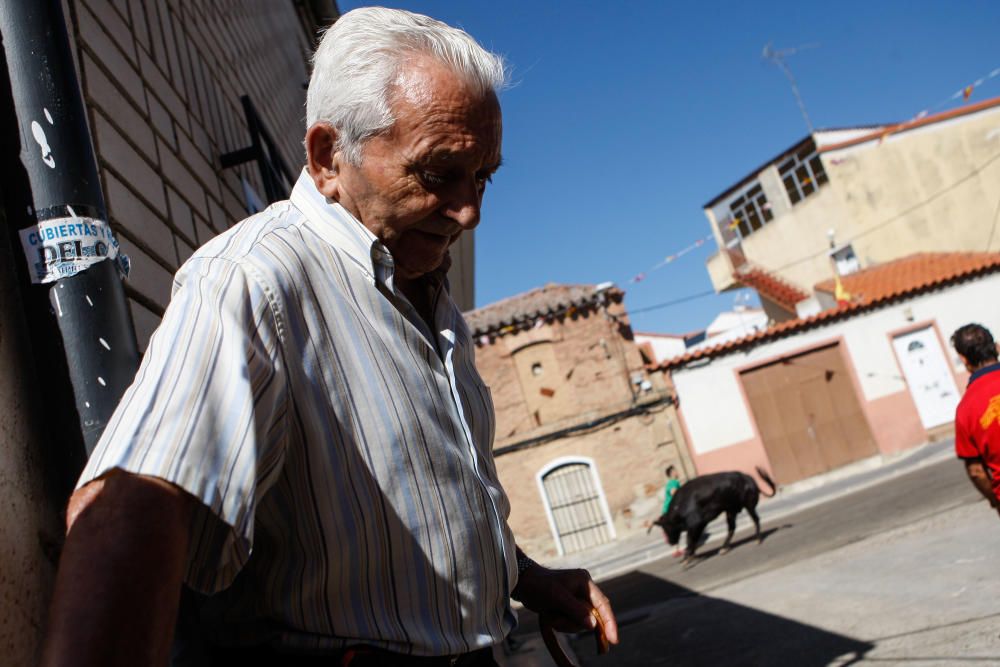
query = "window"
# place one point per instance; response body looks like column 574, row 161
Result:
column 845, row 260
column 749, row 211
column 802, row 173
column 275, row 175
column 575, row 503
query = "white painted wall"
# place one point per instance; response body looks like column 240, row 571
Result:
column 664, row 347
column 712, row 404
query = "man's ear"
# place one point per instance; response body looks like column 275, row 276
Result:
column 965, row 362
column 322, row 158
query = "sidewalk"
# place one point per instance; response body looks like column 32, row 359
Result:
column 633, row 551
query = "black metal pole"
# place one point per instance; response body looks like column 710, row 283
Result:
column 70, row 246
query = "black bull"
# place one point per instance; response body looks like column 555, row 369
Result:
column 703, row 498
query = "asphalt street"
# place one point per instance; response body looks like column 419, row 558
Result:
column 741, row 608
column 820, row 529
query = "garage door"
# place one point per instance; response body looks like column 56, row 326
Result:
column 808, row 414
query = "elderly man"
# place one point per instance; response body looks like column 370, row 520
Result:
column 307, row 440
column 977, row 418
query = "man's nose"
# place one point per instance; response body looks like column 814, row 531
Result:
column 464, row 204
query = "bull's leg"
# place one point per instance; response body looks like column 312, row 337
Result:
column 693, row 538
column 731, row 525
column 756, row 522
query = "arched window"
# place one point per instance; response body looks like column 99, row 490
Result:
column 575, row 504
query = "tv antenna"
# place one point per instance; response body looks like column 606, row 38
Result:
column 777, row 56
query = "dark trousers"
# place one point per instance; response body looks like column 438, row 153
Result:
column 190, row 649
column 360, row 656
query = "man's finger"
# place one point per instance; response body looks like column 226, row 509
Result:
column 602, row 639
column 603, row 606
column 572, row 600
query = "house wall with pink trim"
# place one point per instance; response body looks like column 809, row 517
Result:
column 718, row 422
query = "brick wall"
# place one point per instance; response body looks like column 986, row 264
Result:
column 630, row 457
column 593, row 362
column 594, row 359
column 162, row 82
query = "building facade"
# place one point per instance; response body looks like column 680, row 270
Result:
column 869, row 377
column 584, row 431
column 841, row 200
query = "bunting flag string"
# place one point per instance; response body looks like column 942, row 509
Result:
column 673, row 257
column 965, row 93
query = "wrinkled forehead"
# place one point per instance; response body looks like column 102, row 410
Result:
column 423, row 82
column 437, row 110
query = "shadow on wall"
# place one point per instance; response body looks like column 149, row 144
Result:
column 667, row 624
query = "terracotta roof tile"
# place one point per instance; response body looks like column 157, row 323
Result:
column 771, row 286
column 551, row 300
column 902, row 274
column 876, row 286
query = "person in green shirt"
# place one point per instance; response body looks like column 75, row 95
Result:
column 673, row 483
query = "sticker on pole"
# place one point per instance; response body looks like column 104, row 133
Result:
column 63, row 247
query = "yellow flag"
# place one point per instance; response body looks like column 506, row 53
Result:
column 842, row 296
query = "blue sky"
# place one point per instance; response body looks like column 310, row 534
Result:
column 626, row 117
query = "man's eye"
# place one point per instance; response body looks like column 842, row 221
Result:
column 483, row 179
column 432, row 178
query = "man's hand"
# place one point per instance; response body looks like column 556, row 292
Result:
column 118, row 585
column 565, row 599
column 979, row 475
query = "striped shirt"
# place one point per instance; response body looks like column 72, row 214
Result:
column 340, row 446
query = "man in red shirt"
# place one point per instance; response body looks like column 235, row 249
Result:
column 977, row 418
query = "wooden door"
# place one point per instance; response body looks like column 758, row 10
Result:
column 808, row 414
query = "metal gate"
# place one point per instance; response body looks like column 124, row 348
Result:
column 578, row 511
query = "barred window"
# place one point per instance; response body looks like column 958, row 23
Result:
column 802, row 173
column 749, row 211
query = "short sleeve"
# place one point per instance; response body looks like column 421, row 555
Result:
column 965, row 448
column 206, row 412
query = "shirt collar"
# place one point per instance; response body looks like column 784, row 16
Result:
column 983, row 371
column 334, row 224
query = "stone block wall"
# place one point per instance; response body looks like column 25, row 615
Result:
column 162, row 83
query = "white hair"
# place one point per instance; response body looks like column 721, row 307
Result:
column 360, row 58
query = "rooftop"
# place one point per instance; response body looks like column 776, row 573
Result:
column 876, row 132
column 906, row 273
column 770, row 286
column 552, row 300
column 871, row 288
column 914, row 123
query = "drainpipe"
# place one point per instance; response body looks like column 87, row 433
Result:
column 62, row 221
